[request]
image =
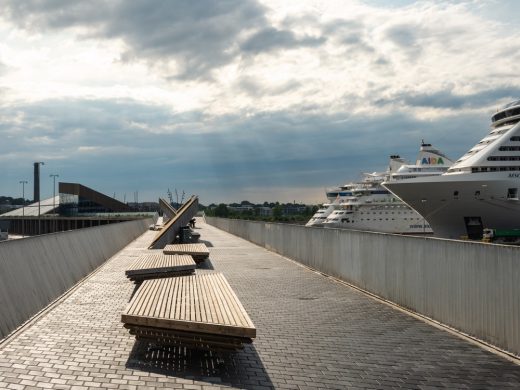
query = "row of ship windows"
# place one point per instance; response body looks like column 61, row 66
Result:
column 494, row 169
column 392, row 219
column 375, row 212
column 375, row 219
column 502, row 148
column 511, row 122
column 509, row 148
column 503, row 158
column 507, row 113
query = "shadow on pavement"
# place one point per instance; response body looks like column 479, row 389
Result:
column 207, row 243
column 241, row 369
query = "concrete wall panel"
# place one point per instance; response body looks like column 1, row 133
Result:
column 34, row 271
column 470, row 286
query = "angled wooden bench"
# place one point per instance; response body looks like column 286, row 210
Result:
column 200, row 311
column 198, row 251
column 172, row 228
column 158, row 265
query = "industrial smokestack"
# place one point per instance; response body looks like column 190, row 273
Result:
column 37, row 181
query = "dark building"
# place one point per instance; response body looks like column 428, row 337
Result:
column 77, row 199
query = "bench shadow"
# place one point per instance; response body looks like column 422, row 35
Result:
column 136, row 287
column 207, row 243
column 240, row 369
column 206, row 264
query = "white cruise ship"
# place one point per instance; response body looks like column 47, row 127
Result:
column 336, row 196
column 479, row 191
column 369, row 206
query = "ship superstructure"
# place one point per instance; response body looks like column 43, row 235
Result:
column 479, row 191
column 372, row 207
column 335, row 197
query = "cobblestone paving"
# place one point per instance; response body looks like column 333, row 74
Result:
column 312, row 333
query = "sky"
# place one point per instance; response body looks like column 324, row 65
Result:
column 237, row 100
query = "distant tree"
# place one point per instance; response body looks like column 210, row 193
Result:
column 5, row 199
column 222, row 211
column 310, row 210
column 277, row 211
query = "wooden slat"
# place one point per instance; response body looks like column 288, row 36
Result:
column 199, row 303
column 154, row 264
column 198, row 251
column 235, row 302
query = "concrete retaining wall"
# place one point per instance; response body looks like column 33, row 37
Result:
column 34, row 271
column 470, row 286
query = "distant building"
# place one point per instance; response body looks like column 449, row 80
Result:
column 78, row 199
column 293, row 209
column 76, row 207
column 145, row 206
column 264, row 211
column 240, row 208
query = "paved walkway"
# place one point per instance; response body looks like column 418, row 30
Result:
column 312, row 333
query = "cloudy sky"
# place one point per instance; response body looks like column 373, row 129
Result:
column 236, row 99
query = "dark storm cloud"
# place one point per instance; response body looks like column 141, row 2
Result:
column 256, row 89
column 271, row 39
column 402, row 35
column 37, row 15
column 351, row 34
column 343, row 26
column 198, row 36
column 449, row 99
column 406, row 37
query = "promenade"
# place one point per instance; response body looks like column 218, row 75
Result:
column 312, row 332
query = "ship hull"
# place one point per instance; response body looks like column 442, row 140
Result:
column 459, row 205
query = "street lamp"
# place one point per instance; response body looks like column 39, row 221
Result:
column 54, row 176
column 23, row 183
column 37, row 189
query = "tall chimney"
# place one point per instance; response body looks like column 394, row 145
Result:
column 36, row 182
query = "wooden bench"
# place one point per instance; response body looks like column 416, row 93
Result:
column 198, row 251
column 200, row 311
column 158, row 265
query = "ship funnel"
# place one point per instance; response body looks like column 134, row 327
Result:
column 428, row 155
column 396, row 162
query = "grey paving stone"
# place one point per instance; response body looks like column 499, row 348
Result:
column 312, row 333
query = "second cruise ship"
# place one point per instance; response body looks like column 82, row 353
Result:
column 366, row 205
